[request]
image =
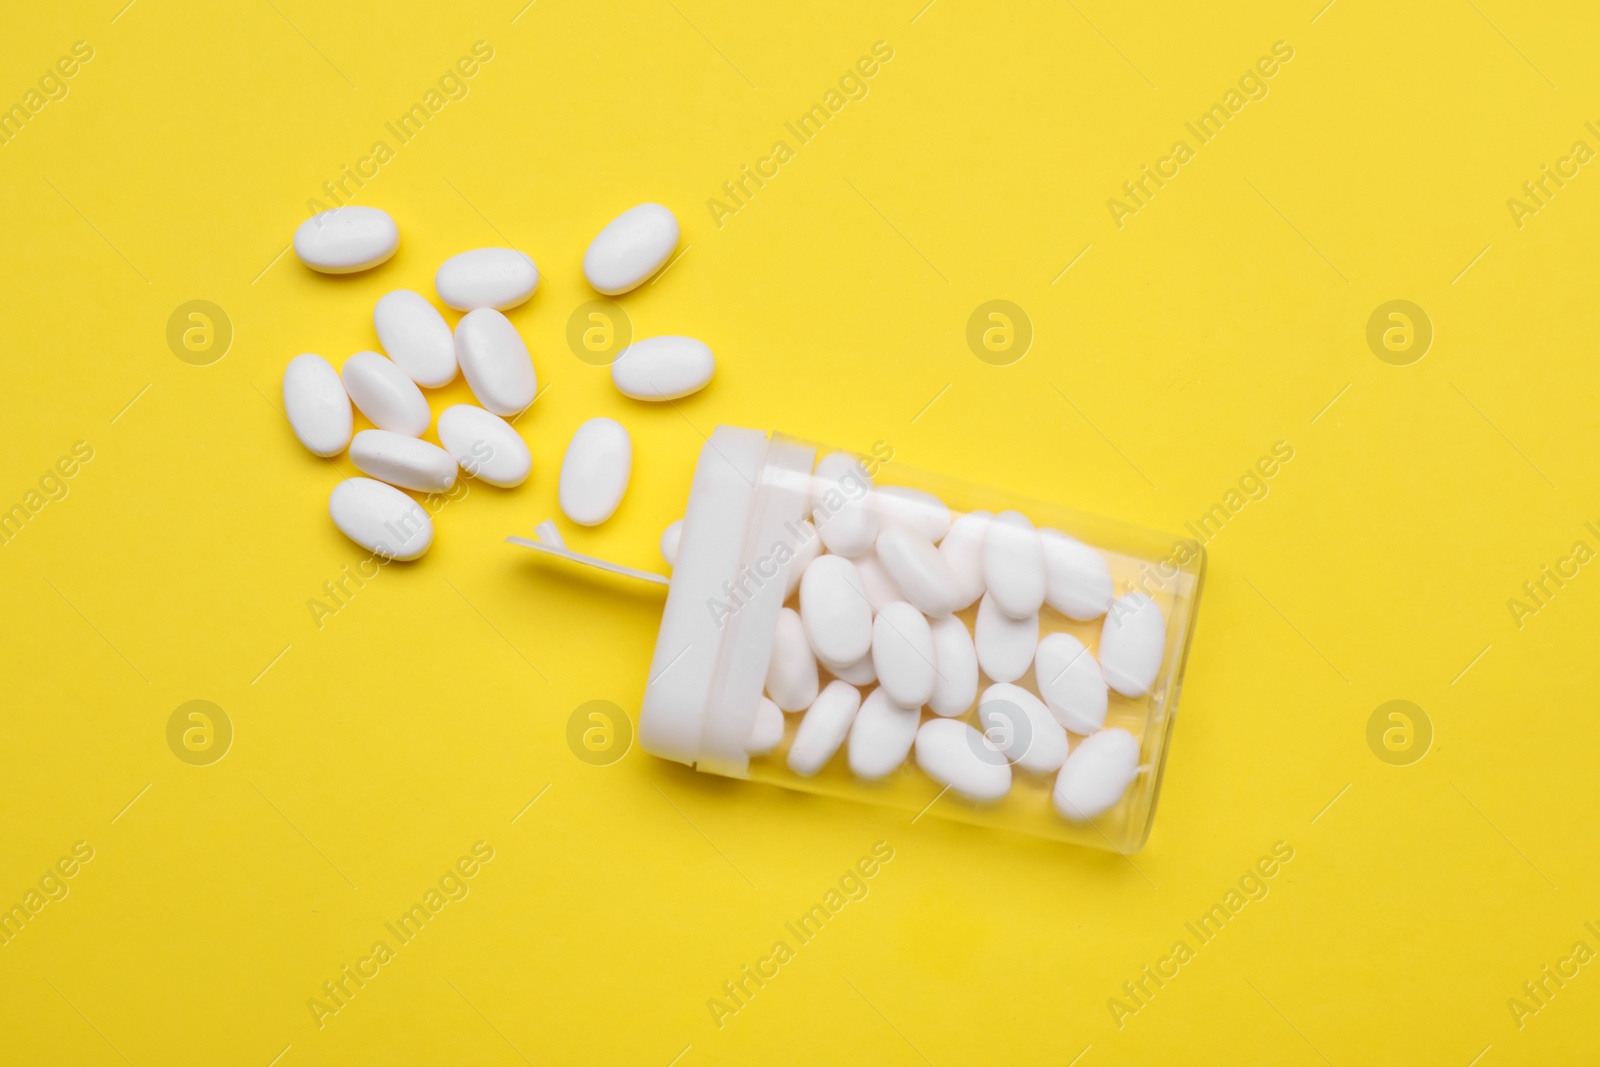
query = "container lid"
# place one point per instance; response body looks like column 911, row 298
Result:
column 717, row 627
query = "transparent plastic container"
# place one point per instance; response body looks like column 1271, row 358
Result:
column 746, row 518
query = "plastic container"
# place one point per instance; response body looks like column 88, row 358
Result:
column 744, row 521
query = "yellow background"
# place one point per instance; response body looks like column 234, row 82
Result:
column 1224, row 317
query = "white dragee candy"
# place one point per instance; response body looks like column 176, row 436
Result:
column 1070, row 682
column 495, row 361
column 922, row 511
column 317, row 405
column 595, row 471
column 807, row 547
column 823, row 728
column 1019, row 725
column 1077, row 579
column 835, row 610
column 1005, row 645
column 958, row 756
column 792, row 670
column 880, row 588
column 918, row 570
column 1132, row 641
column 383, row 393
column 859, row 673
column 956, row 684
column 380, row 518
column 1013, row 564
column 842, row 503
column 484, row 445
column 403, row 461
column 902, row 654
column 346, row 239
column 663, row 368
column 962, row 549
column 1096, row 775
column 632, row 247
column 766, row 732
column 499, row 278
column 416, row 337
column 882, row 735
column 671, row 537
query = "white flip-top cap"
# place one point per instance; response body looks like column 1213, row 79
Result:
column 742, row 521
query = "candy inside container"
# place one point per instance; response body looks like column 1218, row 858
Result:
column 934, row 646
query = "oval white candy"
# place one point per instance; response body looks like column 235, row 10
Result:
column 380, row 518
column 918, row 570
column 1013, row 565
column 670, row 539
column 792, row 670
column 807, row 547
column 485, row 445
column 1077, row 579
column 902, row 654
column 1069, row 679
column 346, row 239
column 962, row 548
column 317, row 405
column 881, row 736
column 1132, row 641
column 495, row 361
column 880, row 588
column 416, row 337
column 835, row 610
column 403, row 461
column 948, row 752
column 859, row 673
column 1020, row 726
column 1005, row 645
column 499, row 278
column 632, row 247
column 663, row 368
column 766, row 732
column 842, row 504
column 956, row 684
column 1096, row 775
column 595, row 471
column 385, row 395
column 920, row 510
column 823, row 728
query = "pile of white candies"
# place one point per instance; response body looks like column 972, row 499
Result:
column 877, row 587
column 423, row 351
